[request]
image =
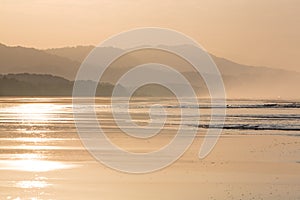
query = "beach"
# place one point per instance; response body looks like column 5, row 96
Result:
column 42, row 157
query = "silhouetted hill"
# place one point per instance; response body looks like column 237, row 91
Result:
column 29, row 60
column 77, row 53
column 45, row 85
column 241, row 81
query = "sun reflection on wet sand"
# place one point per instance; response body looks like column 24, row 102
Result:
column 27, row 149
column 33, row 165
column 31, row 113
column 32, row 184
column 33, row 188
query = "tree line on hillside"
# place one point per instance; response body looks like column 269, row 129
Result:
column 45, row 85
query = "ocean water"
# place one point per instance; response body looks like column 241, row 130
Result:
column 38, row 134
column 36, row 120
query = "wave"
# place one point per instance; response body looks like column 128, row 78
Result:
column 270, row 116
column 266, row 105
column 250, row 127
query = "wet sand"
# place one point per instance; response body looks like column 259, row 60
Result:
column 239, row 167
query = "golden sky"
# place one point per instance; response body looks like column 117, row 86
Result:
column 254, row 32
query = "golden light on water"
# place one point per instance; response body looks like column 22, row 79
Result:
column 32, row 165
column 29, row 155
column 34, row 111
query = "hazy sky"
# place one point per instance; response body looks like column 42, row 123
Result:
column 255, row 32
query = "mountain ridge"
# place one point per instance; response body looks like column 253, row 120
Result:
column 240, row 80
column 89, row 48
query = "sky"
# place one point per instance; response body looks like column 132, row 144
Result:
column 253, row 32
